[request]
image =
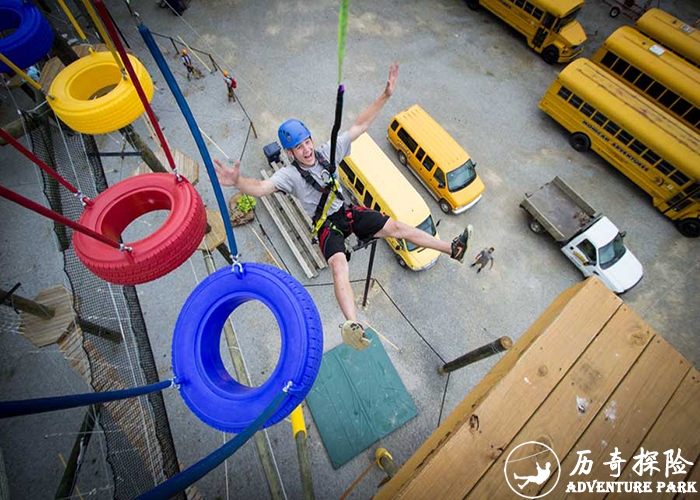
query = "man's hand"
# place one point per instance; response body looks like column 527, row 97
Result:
column 227, row 176
column 391, row 81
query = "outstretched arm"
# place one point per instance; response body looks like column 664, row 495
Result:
column 365, row 119
column 232, row 177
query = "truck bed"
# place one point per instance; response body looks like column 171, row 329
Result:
column 559, row 209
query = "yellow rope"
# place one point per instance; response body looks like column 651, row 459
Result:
column 21, row 73
column 98, row 24
column 72, row 20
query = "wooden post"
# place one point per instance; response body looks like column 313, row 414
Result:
column 307, row 485
column 500, row 345
column 139, row 145
column 67, row 484
column 386, row 463
column 273, row 479
column 27, row 305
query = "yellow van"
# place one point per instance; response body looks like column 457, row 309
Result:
column 549, row 26
column 376, row 183
column 436, row 159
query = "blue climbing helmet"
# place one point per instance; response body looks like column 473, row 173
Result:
column 292, row 133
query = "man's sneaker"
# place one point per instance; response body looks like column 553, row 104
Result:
column 461, row 243
column 353, row 334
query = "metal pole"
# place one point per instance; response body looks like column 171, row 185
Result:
column 273, row 480
column 369, row 271
column 500, row 345
column 70, row 475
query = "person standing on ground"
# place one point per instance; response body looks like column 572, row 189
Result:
column 304, row 178
column 483, row 258
column 230, row 85
column 187, row 61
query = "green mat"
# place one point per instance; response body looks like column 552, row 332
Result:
column 357, row 399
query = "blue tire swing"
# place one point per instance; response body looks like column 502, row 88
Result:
column 205, row 385
column 31, row 39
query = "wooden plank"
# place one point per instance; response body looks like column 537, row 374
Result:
column 43, row 332
column 574, row 403
column 694, row 478
column 302, row 231
column 677, row 428
column 466, row 454
column 274, row 213
column 217, row 234
column 628, row 414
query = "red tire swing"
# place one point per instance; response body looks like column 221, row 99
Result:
column 155, row 255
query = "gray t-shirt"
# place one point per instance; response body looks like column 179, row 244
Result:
column 485, row 257
column 289, row 180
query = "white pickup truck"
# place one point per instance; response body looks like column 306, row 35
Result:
column 587, row 238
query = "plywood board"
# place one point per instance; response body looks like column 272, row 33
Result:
column 473, row 448
column 574, row 403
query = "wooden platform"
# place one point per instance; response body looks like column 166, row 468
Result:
column 589, row 374
column 295, row 226
column 186, row 166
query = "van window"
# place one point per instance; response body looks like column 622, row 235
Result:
column 348, row 171
column 394, row 125
column 377, row 207
column 428, row 226
column 588, row 250
column 420, row 154
column 407, row 140
column 428, row 163
column 360, row 187
column 461, row 177
column 439, row 177
column 368, row 199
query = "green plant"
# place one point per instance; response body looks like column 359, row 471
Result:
column 246, row 203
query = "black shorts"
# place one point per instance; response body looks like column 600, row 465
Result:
column 364, row 222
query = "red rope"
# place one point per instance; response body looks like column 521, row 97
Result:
column 31, row 205
column 106, row 19
column 35, row 159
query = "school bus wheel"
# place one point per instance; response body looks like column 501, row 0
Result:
column 444, row 206
column 690, row 228
column 401, row 262
column 580, row 142
column 402, row 158
column 473, row 4
column 550, row 55
column 614, row 12
column 536, row 227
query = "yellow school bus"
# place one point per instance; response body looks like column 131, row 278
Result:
column 647, row 67
column 649, row 146
column 677, row 36
column 549, row 26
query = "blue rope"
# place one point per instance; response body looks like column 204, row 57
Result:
column 197, row 471
column 187, row 113
column 41, row 405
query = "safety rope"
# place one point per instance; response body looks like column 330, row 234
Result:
column 24, row 75
column 139, row 89
column 103, row 34
column 73, row 21
column 42, row 210
column 36, row 160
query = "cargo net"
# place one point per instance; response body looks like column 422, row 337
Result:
column 112, row 331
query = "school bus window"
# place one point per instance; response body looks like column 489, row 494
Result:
column 439, row 177
column 564, row 93
column 576, row 101
column 428, row 163
column 407, row 140
column 664, row 167
column 637, row 147
column 519, row 3
column 679, row 178
column 693, row 116
column 537, row 14
column 681, row 107
column 631, row 74
column 643, row 82
column 529, row 7
column 651, row 157
column 360, row 187
column 368, row 199
column 587, row 109
column 620, row 66
column 548, row 20
column 612, row 127
column 420, row 154
column 394, row 125
column 625, row 137
column 656, row 90
column 600, row 118
column 668, row 98
column 348, row 171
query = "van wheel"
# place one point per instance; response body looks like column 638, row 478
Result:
column 580, row 142
column 444, row 206
column 690, row 228
column 402, row 158
column 401, row 262
column 473, row 4
column 550, row 55
column 614, row 12
column 536, row 227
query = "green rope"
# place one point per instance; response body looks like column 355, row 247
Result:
column 342, row 31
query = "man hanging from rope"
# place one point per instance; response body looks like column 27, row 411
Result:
column 302, row 179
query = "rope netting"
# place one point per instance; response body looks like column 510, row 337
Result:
column 140, row 449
